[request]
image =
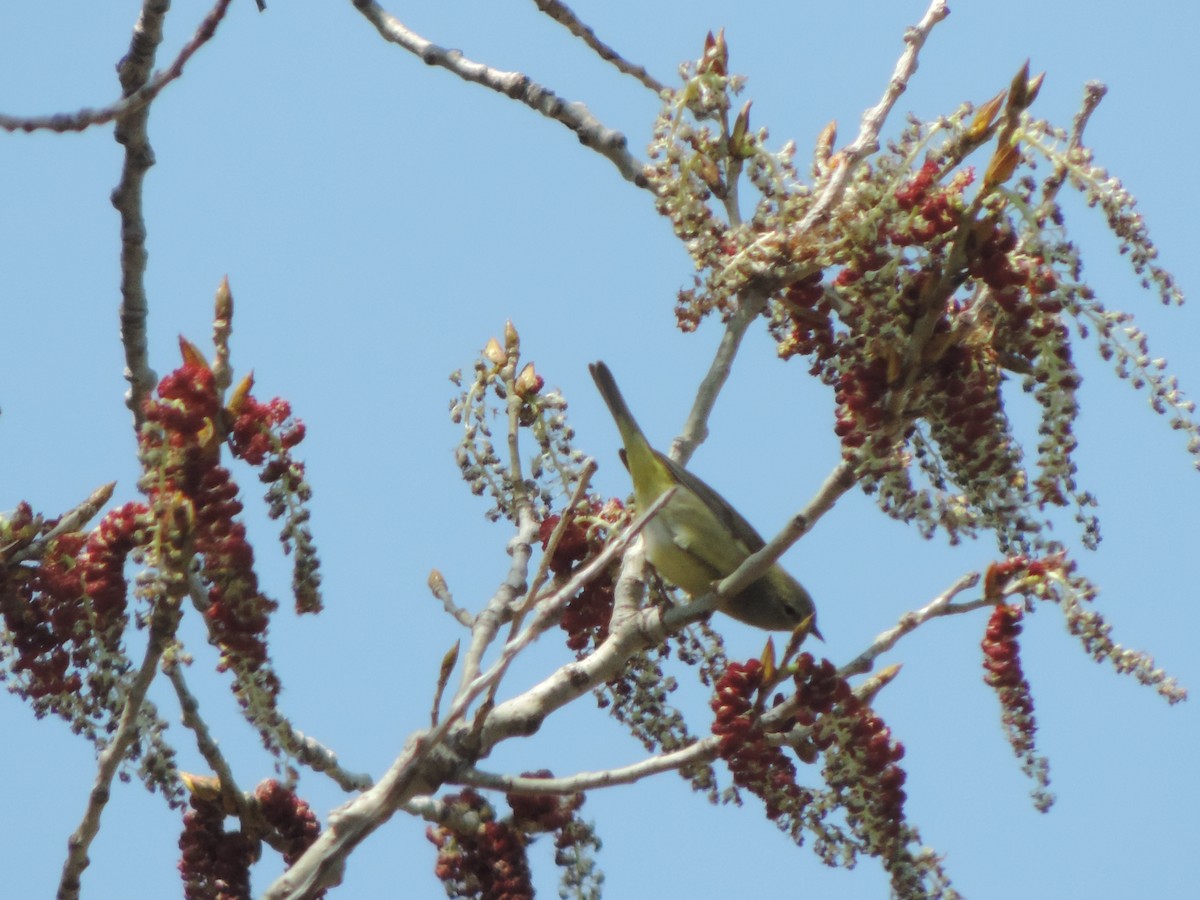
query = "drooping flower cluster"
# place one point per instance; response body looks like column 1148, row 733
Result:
column 1002, row 663
column 485, row 860
column 290, row 816
column 863, row 775
column 915, row 290
column 1055, row 579
column 575, row 841
column 756, row 765
column 180, row 452
column 263, row 435
column 65, row 616
column 586, row 616
column 215, row 863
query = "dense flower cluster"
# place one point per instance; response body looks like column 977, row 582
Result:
column 574, row 839
column 180, row 448
column 586, row 616
column 1002, row 663
column 914, row 290
column 264, row 435
column 214, row 863
column 755, row 764
column 290, row 816
column 66, row 616
column 487, row 862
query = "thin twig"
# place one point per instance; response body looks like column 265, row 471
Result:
column 1093, row 93
column 592, row 133
column 940, row 606
column 491, row 617
column 190, row 708
column 695, row 429
column 873, row 119
column 701, row 751
column 563, row 15
column 131, row 102
column 161, row 631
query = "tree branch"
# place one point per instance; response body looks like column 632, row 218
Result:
column 161, row 631
column 592, row 133
column 867, row 141
column 563, row 15
column 131, row 102
column 910, row 621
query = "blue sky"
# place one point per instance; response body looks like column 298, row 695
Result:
column 379, row 220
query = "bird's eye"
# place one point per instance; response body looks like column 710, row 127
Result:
column 790, row 610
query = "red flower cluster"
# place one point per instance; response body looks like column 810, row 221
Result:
column 487, row 864
column 1002, row 662
column 938, row 208
column 181, row 442
column 860, row 755
column 103, row 563
column 553, row 813
column 755, row 764
column 860, row 413
column 253, row 429
column 543, row 812
column 215, row 863
column 290, row 816
column 586, row 616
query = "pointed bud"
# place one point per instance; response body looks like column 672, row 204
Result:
column 224, row 300
column 739, row 147
column 715, row 60
column 1003, row 164
column 512, row 340
column 240, row 393
column 768, row 661
column 529, row 382
column 825, row 142
column 436, row 582
column 494, row 353
column 448, row 663
column 1035, row 85
column 984, row 117
column 191, row 354
column 1018, row 91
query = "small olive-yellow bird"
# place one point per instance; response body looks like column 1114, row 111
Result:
column 698, row 538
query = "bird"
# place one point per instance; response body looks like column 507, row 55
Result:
column 697, row 538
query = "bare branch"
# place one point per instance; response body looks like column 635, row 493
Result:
column 695, row 429
column 867, row 141
column 489, row 620
column 591, row 132
column 130, row 102
column 564, row 16
column 910, row 621
column 130, row 133
column 701, row 751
